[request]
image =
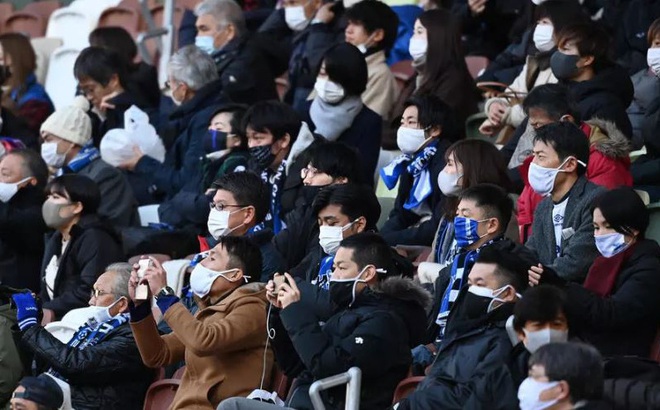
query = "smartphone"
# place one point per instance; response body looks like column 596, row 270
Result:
column 142, row 289
column 279, row 281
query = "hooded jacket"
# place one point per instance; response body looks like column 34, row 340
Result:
column 375, row 334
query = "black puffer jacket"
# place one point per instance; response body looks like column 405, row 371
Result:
column 110, row 375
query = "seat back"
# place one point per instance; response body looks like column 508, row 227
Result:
column 93, row 8
column 127, row 18
column 43, row 8
column 160, row 394
column 405, row 387
column 60, row 83
column 178, row 374
column 70, row 25
column 475, row 64
column 30, row 24
column 43, row 49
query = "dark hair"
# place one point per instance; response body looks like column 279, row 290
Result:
column 445, row 52
column 374, row 15
column 275, row 117
column 510, row 269
column 433, row 112
column 346, row 66
column 77, row 188
column 337, row 160
column 623, row 210
column 353, row 199
column 33, row 165
column 567, row 140
column 539, row 304
column 494, row 201
column 23, row 59
column 560, row 12
column 114, row 38
column 591, row 39
column 578, row 364
column 654, row 31
column 243, row 254
column 237, row 112
column 369, row 248
column 100, row 64
column 554, row 99
column 247, row 189
column 482, row 163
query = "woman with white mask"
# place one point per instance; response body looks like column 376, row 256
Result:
column 617, row 308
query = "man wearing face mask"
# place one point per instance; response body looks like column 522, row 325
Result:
column 23, row 176
column 222, row 34
column 562, row 232
column 476, row 343
column 369, row 320
column 101, row 362
column 224, row 344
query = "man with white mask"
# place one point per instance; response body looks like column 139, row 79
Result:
column 101, row 362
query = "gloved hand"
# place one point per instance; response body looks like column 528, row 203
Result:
column 27, row 310
column 164, row 302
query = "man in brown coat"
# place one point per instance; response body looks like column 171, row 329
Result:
column 223, row 344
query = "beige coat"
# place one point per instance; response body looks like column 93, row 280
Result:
column 382, row 90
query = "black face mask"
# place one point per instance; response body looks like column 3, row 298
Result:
column 341, row 293
column 309, row 192
column 474, row 306
column 564, row 66
column 214, row 141
column 262, row 156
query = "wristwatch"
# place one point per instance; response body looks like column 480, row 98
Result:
column 166, row 291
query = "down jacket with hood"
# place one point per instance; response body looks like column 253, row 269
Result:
column 609, row 166
column 375, row 334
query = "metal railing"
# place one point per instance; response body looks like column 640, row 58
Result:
column 353, row 381
column 163, row 36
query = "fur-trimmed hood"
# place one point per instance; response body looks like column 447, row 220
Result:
column 607, row 139
column 404, row 290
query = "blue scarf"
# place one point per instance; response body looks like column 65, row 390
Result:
column 87, row 154
column 277, row 185
column 32, row 90
column 418, row 168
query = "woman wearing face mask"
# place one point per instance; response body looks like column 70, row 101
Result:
column 551, row 17
column 426, row 131
column 72, row 259
column 337, row 112
column 617, row 309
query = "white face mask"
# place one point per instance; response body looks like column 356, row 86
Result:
column 417, row 48
column 51, row 156
column 101, row 314
column 7, row 191
column 331, row 236
column 542, row 337
column 218, row 223
column 295, row 18
column 365, row 46
column 329, row 91
column 489, row 293
column 542, row 179
column 410, row 140
column 205, row 43
column 610, row 244
column 653, row 60
column 543, row 37
column 201, row 279
column 529, row 392
column 448, row 183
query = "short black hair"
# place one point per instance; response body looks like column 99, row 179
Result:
column 511, row 268
column 369, row 248
column 354, row 200
column 275, row 117
column 77, row 188
column 33, row 165
column 578, row 364
column 346, row 66
column 568, row 140
column 555, row 99
column 591, row 39
column 494, row 200
column 539, row 304
column 247, row 189
column 243, row 254
column 237, row 112
column 337, row 160
column 374, row 15
column 560, row 12
column 623, row 210
column 115, row 38
column 100, row 64
column 433, row 112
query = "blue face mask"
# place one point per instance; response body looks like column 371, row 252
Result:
column 205, row 43
column 465, row 231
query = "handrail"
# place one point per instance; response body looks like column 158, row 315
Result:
column 353, row 381
column 163, row 34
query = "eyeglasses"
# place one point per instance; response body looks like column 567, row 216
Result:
column 221, row 207
column 311, row 172
column 95, row 293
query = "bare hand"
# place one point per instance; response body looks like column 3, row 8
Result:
column 48, row 316
column 271, row 293
column 132, row 163
column 534, row 274
column 496, row 112
column 105, row 105
column 324, row 14
column 477, row 6
column 288, row 293
column 488, row 128
column 156, row 276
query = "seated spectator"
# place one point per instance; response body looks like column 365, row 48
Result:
column 426, row 131
column 563, row 376
column 12, row 366
column 337, row 112
column 67, row 148
column 276, row 138
column 616, row 308
column 541, row 317
column 476, row 342
column 372, row 28
column 223, row 344
column 562, row 234
column 221, row 33
column 23, row 177
column 102, row 79
column 140, row 77
column 17, row 127
column 630, row 20
column 609, row 149
column 101, row 362
column 196, row 90
column 25, row 97
column 72, row 261
column 37, row 393
column 368, row 319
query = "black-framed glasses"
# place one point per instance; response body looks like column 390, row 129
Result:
column 221, row 207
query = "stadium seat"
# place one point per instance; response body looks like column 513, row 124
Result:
column 475, row 64
column 161, row 394
column 70, row 25
column 127, row 18
column 5, row 10
column 187, row 4
column 30, row 24
column 159, row 374
column 405, row 387
column 60, row 83
column 93, row 8
column 178, row 374
column 43, row 8
column 43, row 48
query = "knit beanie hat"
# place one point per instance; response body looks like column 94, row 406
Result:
column 69, row 123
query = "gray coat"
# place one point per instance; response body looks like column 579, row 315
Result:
column 647, row 89
column 118, row 204
column 578, row 250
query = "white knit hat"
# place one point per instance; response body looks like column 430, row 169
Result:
column 69, row 123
